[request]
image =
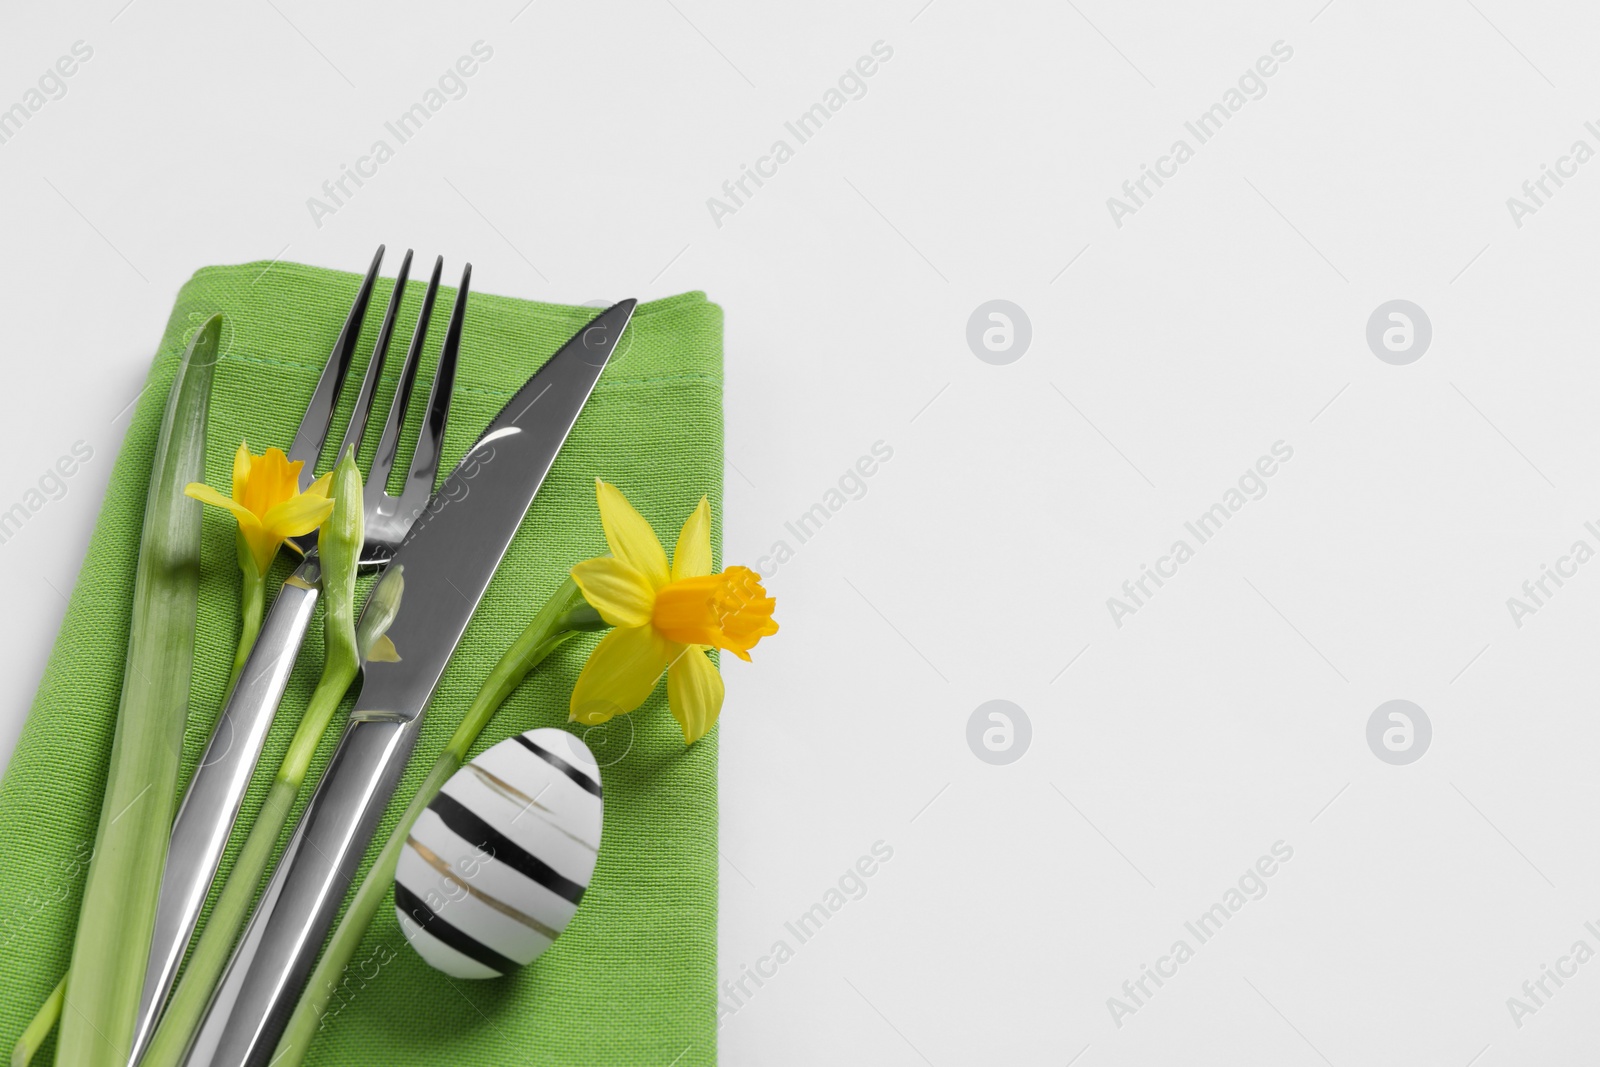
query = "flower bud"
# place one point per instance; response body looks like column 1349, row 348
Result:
column 339, row 547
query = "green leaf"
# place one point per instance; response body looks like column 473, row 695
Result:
column 119, row 901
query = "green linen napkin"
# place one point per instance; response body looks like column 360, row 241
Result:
column 633, row 978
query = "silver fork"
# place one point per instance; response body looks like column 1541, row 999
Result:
column 209, row 808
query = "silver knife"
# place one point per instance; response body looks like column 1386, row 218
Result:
column 447, row 561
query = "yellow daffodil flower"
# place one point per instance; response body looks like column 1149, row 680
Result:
column 270, row 508
column 664, row 618
column 268, row 502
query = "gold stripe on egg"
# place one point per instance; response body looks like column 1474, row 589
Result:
column 433, row 860
column 516, row 796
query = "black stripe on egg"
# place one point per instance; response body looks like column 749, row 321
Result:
column 587, row 784
column 475, row 831
column 464, row 943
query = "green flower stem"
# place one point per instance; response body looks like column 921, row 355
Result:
column 563, row 616
column 115, row 920
column 332, row 966
column 339, row 547
column 252, row 604
column 40, row 1027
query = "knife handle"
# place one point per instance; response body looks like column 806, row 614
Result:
column 211, row 804
column 275, row 957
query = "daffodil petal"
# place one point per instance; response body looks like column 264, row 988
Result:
column 630, row 536
column 241, row 470
column 296, row 516
column 694, row 692
column 207, row 495
column 323, row 486
column 255, row 495
column 622, row 670
column 273, row 479
column 620, row 594
column 692, row 557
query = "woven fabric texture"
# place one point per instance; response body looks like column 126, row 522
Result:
column 633, row 978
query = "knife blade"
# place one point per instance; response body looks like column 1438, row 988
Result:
column 445, row 563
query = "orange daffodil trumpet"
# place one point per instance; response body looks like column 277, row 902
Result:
column 665, row 618
column 270, row 509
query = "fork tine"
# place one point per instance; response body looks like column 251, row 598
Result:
column 318, row 420
column 369, row 382
column 430, row 442
column 389, row 443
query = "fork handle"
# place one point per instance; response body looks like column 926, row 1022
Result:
column 216, row 792
column 273, row 960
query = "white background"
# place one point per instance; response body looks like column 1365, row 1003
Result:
column 1228, row 313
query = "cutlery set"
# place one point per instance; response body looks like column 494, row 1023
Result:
column 435, row 552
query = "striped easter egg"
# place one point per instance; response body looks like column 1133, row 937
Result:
column 496, row 866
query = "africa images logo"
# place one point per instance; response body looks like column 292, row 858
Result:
column 1252, row 85
column 1251, row 485
column 851, row 85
